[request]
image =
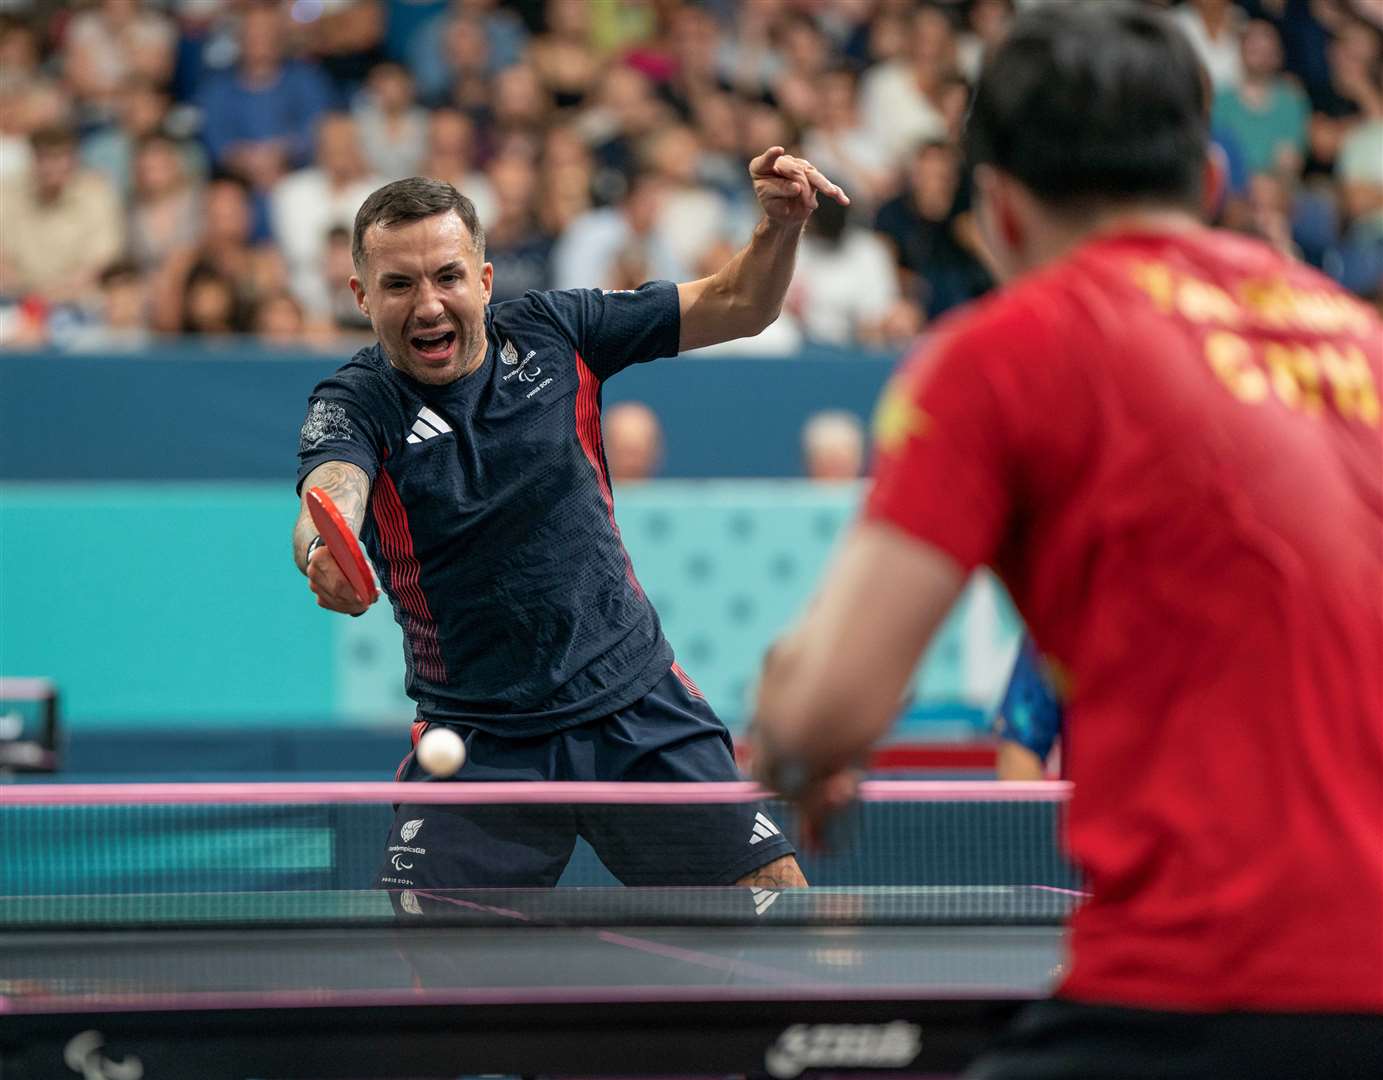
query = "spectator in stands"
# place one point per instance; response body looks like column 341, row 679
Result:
column 840, row 145
column 1357, row 261
column 633, row 442
column 451, row 156
column 121, row 320
column 1266, row 112
column 694, row 39
column 805, row 54
column 845, row 290
column 521, row 107
column 140, row 108
column 29, row 99
column 60, row 226
column 110, row 43
column 208, row 304
column 346, row 40
column 306, row 205
column 515, row 243
column 562, row 57
column 900, row 98
column 986, row 24
column 833, row 446
column 226, row 250
column 1214, row 27
column 166, row 206
column 456, row 54
column 278, row 321
column 690, row 214
column 590, row 251
column 343, row 314
column 935, row 243
column 259, row 117
column 392, row 125
column 623, row 113
column 1352, row 95
column 567, row 175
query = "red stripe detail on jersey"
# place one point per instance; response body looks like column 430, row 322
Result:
column 419, row 726
column 396, row 540
column 593, row 443
column 686, row 681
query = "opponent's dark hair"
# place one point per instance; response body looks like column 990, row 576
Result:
column 413, row 199
column 1090, row 104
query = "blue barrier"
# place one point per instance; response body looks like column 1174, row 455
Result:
column 199, row 413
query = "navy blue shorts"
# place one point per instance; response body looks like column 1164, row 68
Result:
column 670, row 735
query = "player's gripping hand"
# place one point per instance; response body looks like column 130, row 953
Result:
column 330, row 586
column 787, row 187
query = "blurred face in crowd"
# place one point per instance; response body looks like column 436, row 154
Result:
column 392, row 88
column 519, row 96
column 837, row 99
column 279, row 321
column 450, row 137
column 142, row 108
column 55, row 165
column 833, row 448
column 424, row 286
column 933, row 45
column 122, row 299
column 515, row 181
column 1261, row 50
column 338, row 148
column 568, row 18
column 633, row 442
column 933, row 177
column 209, row 305
column 226, row 214
column 261, row 35
column 157, row 169
column 676, row 152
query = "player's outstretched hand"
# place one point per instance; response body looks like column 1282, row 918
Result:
column 787, row 187
column 823, row 798
column 330, row 586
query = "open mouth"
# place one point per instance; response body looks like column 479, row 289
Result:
column 436, row 347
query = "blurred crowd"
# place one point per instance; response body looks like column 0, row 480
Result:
column 194, row 166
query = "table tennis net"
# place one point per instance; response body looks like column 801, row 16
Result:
column 322, row 854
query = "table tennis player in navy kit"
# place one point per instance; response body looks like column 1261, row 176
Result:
column 465, row 450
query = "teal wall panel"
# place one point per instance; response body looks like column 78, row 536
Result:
column 178, row 605
column 162, row 604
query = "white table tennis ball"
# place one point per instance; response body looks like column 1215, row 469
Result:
column 441, row 751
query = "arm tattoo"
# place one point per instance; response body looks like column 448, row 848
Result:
column 781, row 873
column 349, row 489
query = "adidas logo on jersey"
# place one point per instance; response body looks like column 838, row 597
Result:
column 763, row 829
column 428, row 425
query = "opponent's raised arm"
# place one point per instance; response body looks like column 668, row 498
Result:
column 349, row 488
column 746, row 294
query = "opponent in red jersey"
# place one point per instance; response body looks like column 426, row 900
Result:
column 1167, row 441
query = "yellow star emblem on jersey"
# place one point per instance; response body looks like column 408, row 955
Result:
column 897, row 419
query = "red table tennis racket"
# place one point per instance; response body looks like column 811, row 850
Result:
column 342, row 544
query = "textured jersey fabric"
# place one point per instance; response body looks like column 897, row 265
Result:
column 1169, row 446
column 491, row 521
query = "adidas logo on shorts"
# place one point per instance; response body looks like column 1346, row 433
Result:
column 763, row 829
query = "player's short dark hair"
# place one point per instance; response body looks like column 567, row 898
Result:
column 1088, row 104
column 413, row 199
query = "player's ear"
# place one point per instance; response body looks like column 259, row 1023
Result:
column 358, row 287
column 487, row 279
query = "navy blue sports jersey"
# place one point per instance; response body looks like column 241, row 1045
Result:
column 1031, row 713
column 491, row 521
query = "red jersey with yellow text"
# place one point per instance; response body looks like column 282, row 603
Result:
column 1169, row 446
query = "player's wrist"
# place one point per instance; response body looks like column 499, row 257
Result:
column 312, row 546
